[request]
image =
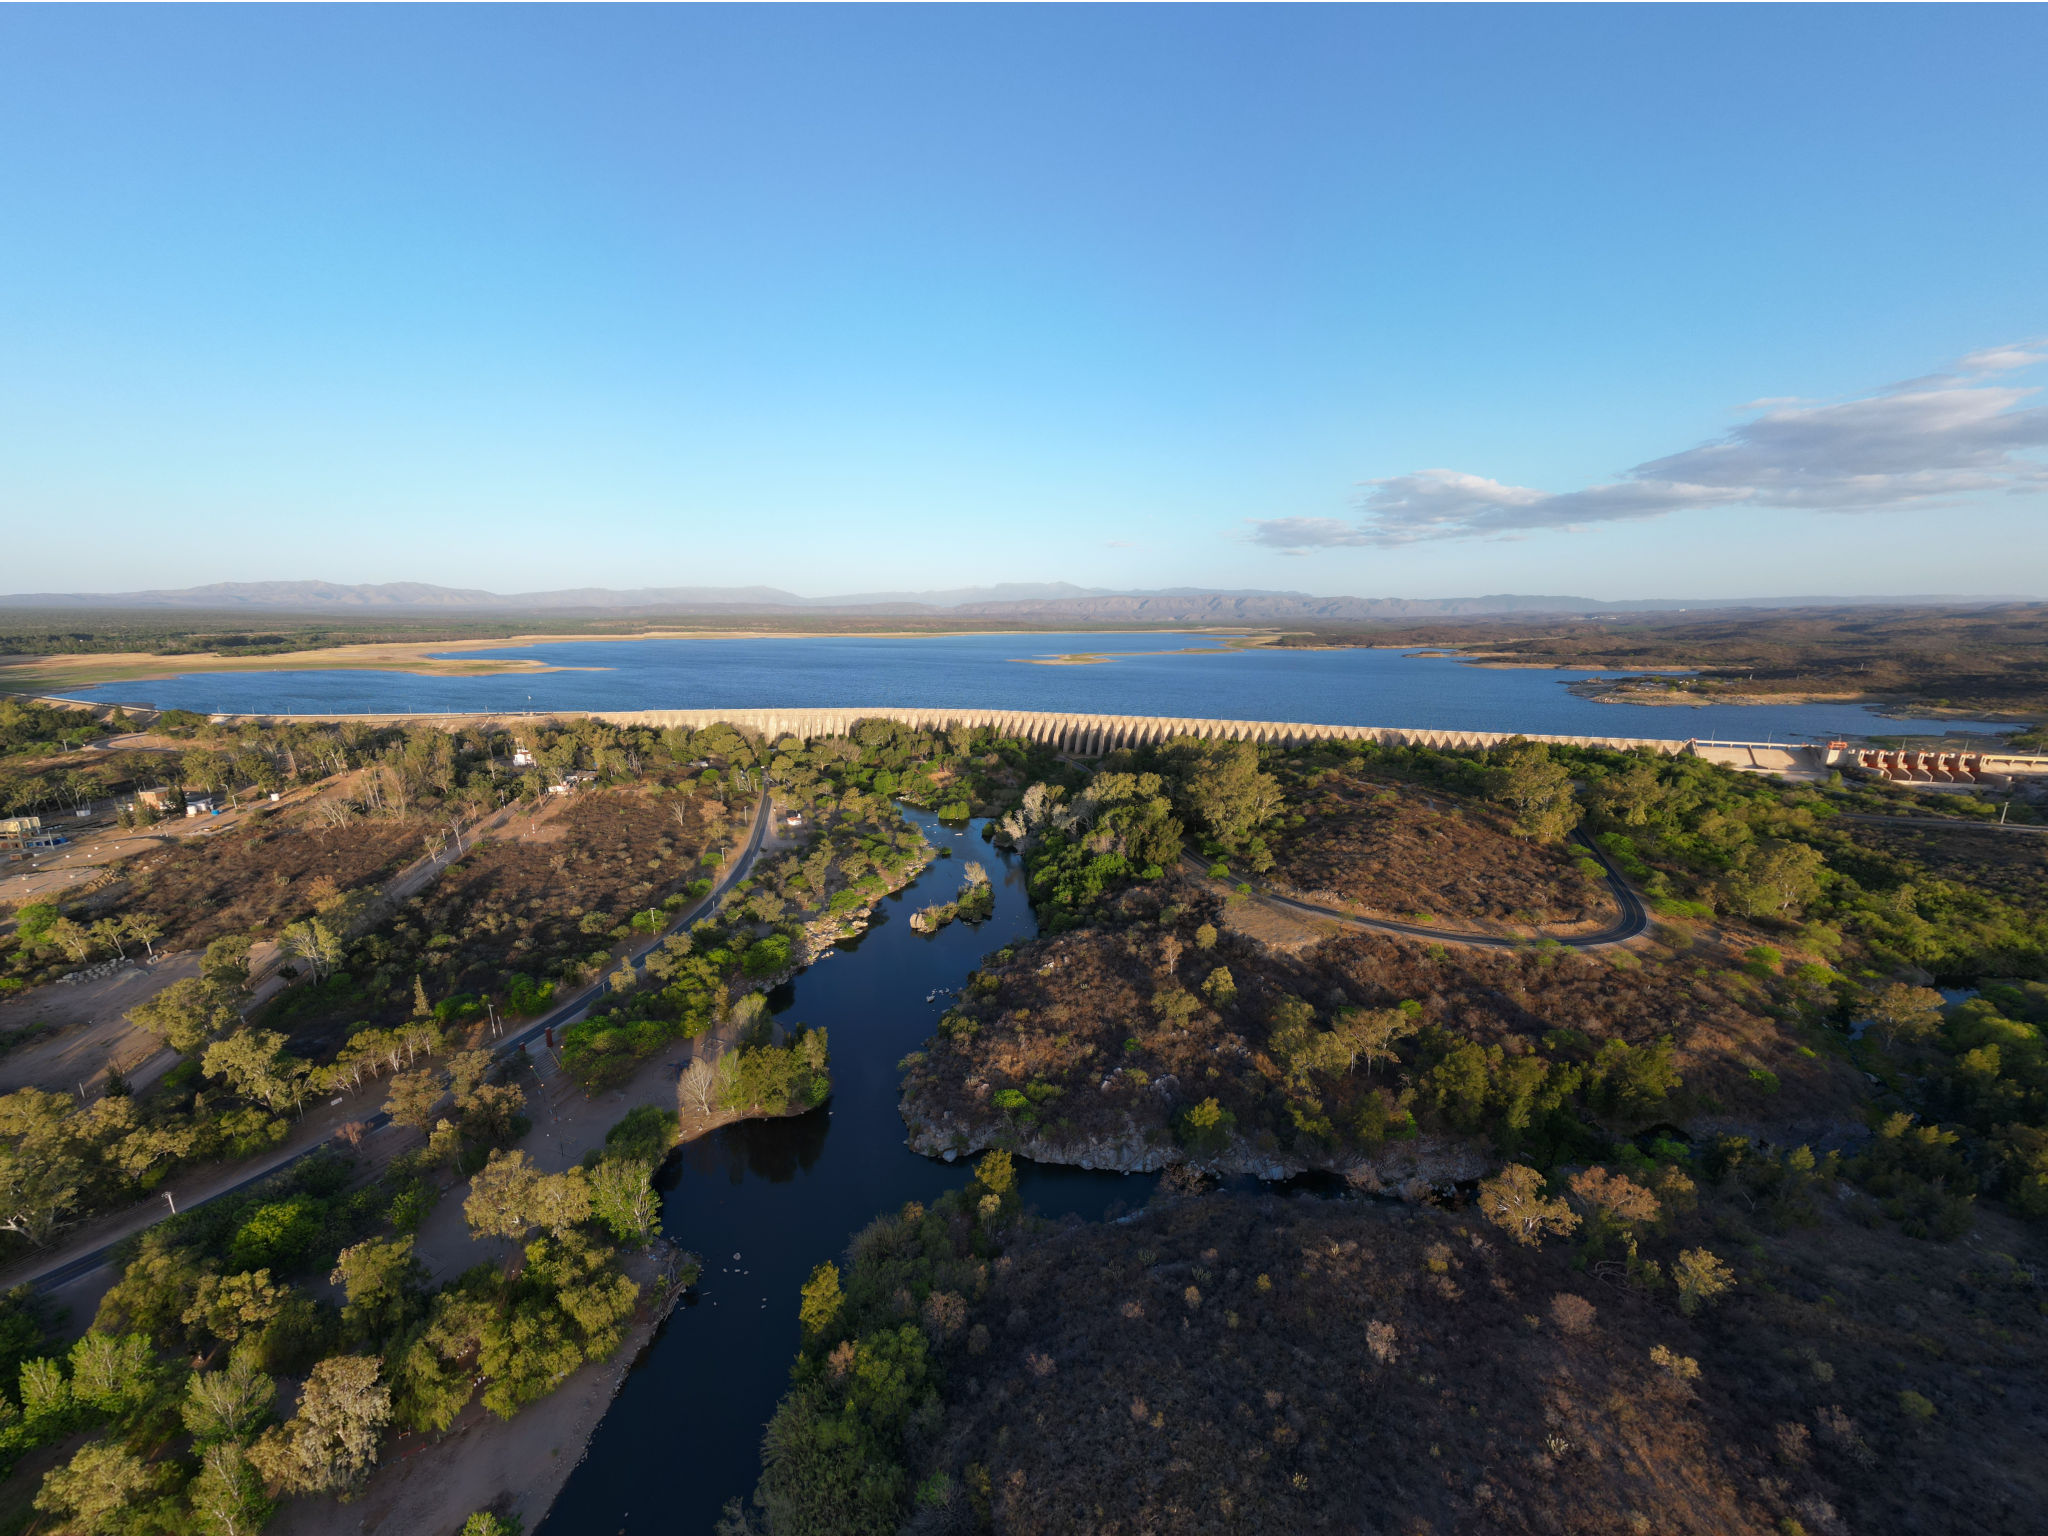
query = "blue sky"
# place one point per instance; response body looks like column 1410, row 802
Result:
column 1383, row 301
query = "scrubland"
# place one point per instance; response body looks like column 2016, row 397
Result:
column 1731, row 1229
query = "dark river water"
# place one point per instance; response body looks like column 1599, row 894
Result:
column 765, row 1201
column 1149, row 674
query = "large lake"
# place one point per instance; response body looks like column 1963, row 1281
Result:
column 1150, row 674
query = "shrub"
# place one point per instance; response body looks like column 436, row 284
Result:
column 277, row 1236
column 1206, row 1128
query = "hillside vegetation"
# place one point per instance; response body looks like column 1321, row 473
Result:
column 1736, row 1229
column 1389, row 849
column 1986, row 659
column 1581, row 1364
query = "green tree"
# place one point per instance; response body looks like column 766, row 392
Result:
column 33, row 922
column 96, row 1491
column 997, row 1173
column 1536, row 790
column 822, row 1301
column 230, row 1403
column 502, row 1197
column 1778, row 880
column 1222, row 788
column 315, row 943
column 227, row 1496
column 1901, row 1015
column 383, row 1284
column 1513, row 1200
column 1206, row 1128
column 186, row 1015
column 75, row 939
column 1372, row 1034
column 509, row 1197
column 229, row 1306
column 1629, row 796
column 466, row 1073
column 413, row 1098
column 1701, row 1278
column 42, row 1166
column 330, row 1444
column 153, row 1292
column 256, row 1065
column 225, row 966
column 114, row 1374
column 561, row 1200
column 144, row 930
column 622, row 1197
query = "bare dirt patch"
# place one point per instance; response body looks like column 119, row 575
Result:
column 541, row 907
column 257, row 878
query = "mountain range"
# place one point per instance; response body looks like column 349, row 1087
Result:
column 1038, row 601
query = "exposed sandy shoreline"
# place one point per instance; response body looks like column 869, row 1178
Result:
column 428, row 658
column 427, row 1485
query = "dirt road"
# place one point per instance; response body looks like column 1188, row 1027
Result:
column 1632, row 918
column 70, row 1272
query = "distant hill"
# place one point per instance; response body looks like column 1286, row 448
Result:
column 1036, row 601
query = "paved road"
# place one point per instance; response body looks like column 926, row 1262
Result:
column 1632, row 919
column 61, row 1271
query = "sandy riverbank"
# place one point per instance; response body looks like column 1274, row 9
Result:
column 427, row 1485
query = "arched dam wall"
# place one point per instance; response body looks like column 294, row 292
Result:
column 1089, row 735
column 1092, row 735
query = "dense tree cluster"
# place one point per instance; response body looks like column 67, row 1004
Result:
column 857, row 847
column 178, row 1381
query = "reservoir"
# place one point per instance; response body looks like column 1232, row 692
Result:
column 1138, row 674
column 765, row 1201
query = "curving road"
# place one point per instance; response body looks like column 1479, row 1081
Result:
column 62, row 1271
column 1632, row 917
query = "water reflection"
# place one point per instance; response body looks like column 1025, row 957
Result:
column 775, row 1150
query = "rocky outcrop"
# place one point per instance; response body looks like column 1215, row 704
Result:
column 825, row 930
column 1412, row 1168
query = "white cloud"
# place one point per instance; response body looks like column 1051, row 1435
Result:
column 1924, row 442
column 1298, row 533
column 2002, row 359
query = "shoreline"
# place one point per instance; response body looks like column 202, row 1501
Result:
column 1610, row 690
column 432, row 658
column 519, row 1466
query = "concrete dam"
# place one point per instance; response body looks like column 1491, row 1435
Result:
column 1092, row 735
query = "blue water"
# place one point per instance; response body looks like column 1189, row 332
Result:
column 1348, row 687
column 765, row 1201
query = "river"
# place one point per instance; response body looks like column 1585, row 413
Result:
column 1146, row 674
column 765, row 1201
